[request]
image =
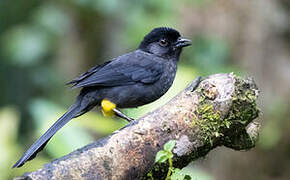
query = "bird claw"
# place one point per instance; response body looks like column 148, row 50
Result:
column 192, row 86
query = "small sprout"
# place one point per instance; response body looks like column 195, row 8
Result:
column 164, row 155
column 161, row 156
column 169, row 145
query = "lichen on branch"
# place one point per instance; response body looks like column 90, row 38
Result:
column 215, row 123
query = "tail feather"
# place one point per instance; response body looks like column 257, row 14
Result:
column 37, row 146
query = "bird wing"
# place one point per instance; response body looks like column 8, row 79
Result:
column 124, row 70
column 88, row 73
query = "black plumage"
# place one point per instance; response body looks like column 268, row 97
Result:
column 130, row 80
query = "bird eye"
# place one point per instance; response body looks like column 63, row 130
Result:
column 163, row 42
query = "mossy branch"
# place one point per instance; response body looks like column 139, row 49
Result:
column 219, row 112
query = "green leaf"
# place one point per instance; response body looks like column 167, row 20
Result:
column 161, row 156
column 169, row 145
column 178, row 174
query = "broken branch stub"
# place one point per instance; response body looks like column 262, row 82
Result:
column 219, row 112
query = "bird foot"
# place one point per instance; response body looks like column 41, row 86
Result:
column 109, row 109
column 195, row 83
column 122, row 115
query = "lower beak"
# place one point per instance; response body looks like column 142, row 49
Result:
column 182, row 42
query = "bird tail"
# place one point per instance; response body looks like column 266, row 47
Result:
column 37, row 146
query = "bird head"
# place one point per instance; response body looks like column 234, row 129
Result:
column 165, row 42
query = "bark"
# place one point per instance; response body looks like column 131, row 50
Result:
column 219, row 112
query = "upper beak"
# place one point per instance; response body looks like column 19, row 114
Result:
column 182, row 42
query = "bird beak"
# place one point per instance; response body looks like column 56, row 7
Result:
column 182, row 42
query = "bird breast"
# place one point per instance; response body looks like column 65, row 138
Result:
column 167, row 78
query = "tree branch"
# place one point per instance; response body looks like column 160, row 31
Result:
column 219, row 112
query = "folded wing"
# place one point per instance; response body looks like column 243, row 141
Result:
column 124, row 70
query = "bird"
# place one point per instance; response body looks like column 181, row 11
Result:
column 128, row 81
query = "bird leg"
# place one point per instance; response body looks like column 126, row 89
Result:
column 122, row 115
column 109, row 109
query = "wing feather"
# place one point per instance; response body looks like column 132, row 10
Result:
column 125, row 70
column 87, row 74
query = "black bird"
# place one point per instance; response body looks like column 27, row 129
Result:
column 128, row 81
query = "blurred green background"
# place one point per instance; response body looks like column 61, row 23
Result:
column 44, row 44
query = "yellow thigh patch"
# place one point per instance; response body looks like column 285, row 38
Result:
column 107, row 107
